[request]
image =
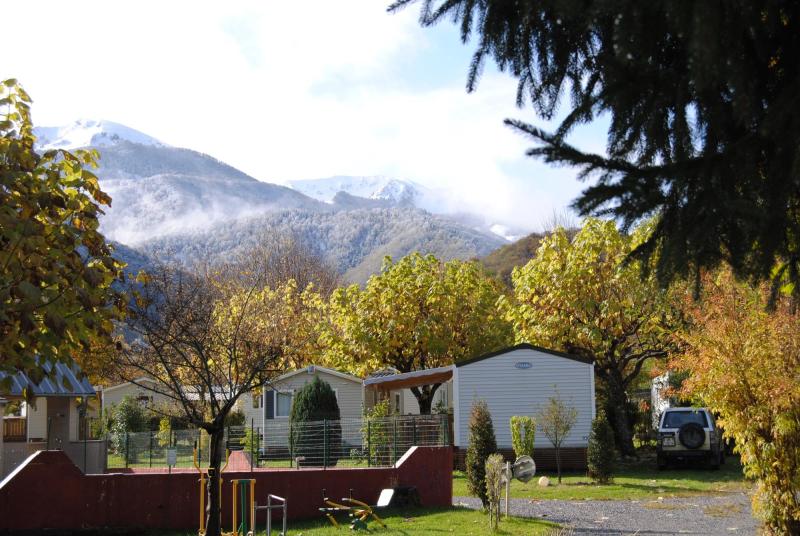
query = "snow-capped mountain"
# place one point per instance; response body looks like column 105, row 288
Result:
column 396, row 191
column 159, row 190
column 182, row 205
column 90, row 133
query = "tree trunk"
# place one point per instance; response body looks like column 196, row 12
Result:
column 618, row 414
column 558, row 462
column 424, row 396
column 213, row 513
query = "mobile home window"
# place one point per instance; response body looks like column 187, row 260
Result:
column 283, row 403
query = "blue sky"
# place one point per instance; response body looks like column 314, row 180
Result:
column 292, row 91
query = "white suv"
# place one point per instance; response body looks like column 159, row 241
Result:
column 689, row 433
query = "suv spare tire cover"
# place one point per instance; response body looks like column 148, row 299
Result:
column 692, row 435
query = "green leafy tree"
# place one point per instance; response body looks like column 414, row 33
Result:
column 701, row 101
column 580, row 295
column 523, row 435
column 556, row 419
column 418, row 313
column 600, row 452
column 129, row 417
column 482, row 444
column 316, row 433
column 56, row 269
column 375, row 434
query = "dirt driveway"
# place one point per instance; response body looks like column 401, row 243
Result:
column 707, row 514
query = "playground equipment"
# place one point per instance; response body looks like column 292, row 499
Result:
column 269, row 507
column 245, row 490
column 204, row 479
column 359, row 512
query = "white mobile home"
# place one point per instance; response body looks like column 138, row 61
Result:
column 514, row 381
column 277, row 398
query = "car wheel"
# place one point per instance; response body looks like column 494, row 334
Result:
column 661, row 462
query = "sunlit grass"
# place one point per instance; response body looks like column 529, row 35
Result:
column 641, row 481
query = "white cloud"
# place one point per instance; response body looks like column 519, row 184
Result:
column 282, row 90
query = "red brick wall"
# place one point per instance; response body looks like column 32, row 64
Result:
column 51, row 493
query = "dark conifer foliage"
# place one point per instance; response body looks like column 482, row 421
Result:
column 705, row 120
column 316, row 433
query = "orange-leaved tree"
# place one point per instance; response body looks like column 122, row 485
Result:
column 744, row 363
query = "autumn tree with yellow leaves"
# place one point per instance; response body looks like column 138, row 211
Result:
column 417, row 313
column 56, row 269
column 209, row 336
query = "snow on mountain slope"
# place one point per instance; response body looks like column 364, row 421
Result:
column 90, row 133
column 399, row 192
column 159, row 190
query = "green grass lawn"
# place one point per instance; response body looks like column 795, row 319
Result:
column 632, row 481
column 461, row 521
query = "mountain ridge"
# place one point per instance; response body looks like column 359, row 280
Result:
column 180, row 205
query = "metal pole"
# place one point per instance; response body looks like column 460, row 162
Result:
column 414, row 429
column 508, row 484
column 284, row 518
column 84, row 436
column 151, row 449
column 369, row 443
column 252, row 440
column 394, row 441
column 127, row 448
column 325, row 443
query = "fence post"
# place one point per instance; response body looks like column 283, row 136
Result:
column 127, row 448
column 369, row 442
column 325, row 444
column 394, row 441
column 252, row 440
column 445, row 424
column 414, row 430
column 291, row 445
column 151, row 449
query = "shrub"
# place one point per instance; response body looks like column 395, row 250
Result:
column 375, row 434
column 129, row 417
column 251, row 442
column 236, row 418
column 556, row 419
column 482, row 443
column 523, row 433
column 600, row 453
column 494, row 487
column 164, row 434
column 316, row 434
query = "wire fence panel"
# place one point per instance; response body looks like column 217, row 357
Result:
column 342, row 443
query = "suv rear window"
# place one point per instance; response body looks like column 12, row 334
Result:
column 676, row 419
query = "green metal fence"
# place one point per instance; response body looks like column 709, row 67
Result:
column 281, row 443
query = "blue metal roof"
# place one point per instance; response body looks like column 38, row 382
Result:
column 61, row 380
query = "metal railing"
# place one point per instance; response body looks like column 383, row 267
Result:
column 342, row 443
column 349, row 442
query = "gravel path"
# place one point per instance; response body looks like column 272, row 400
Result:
column 718, row 514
